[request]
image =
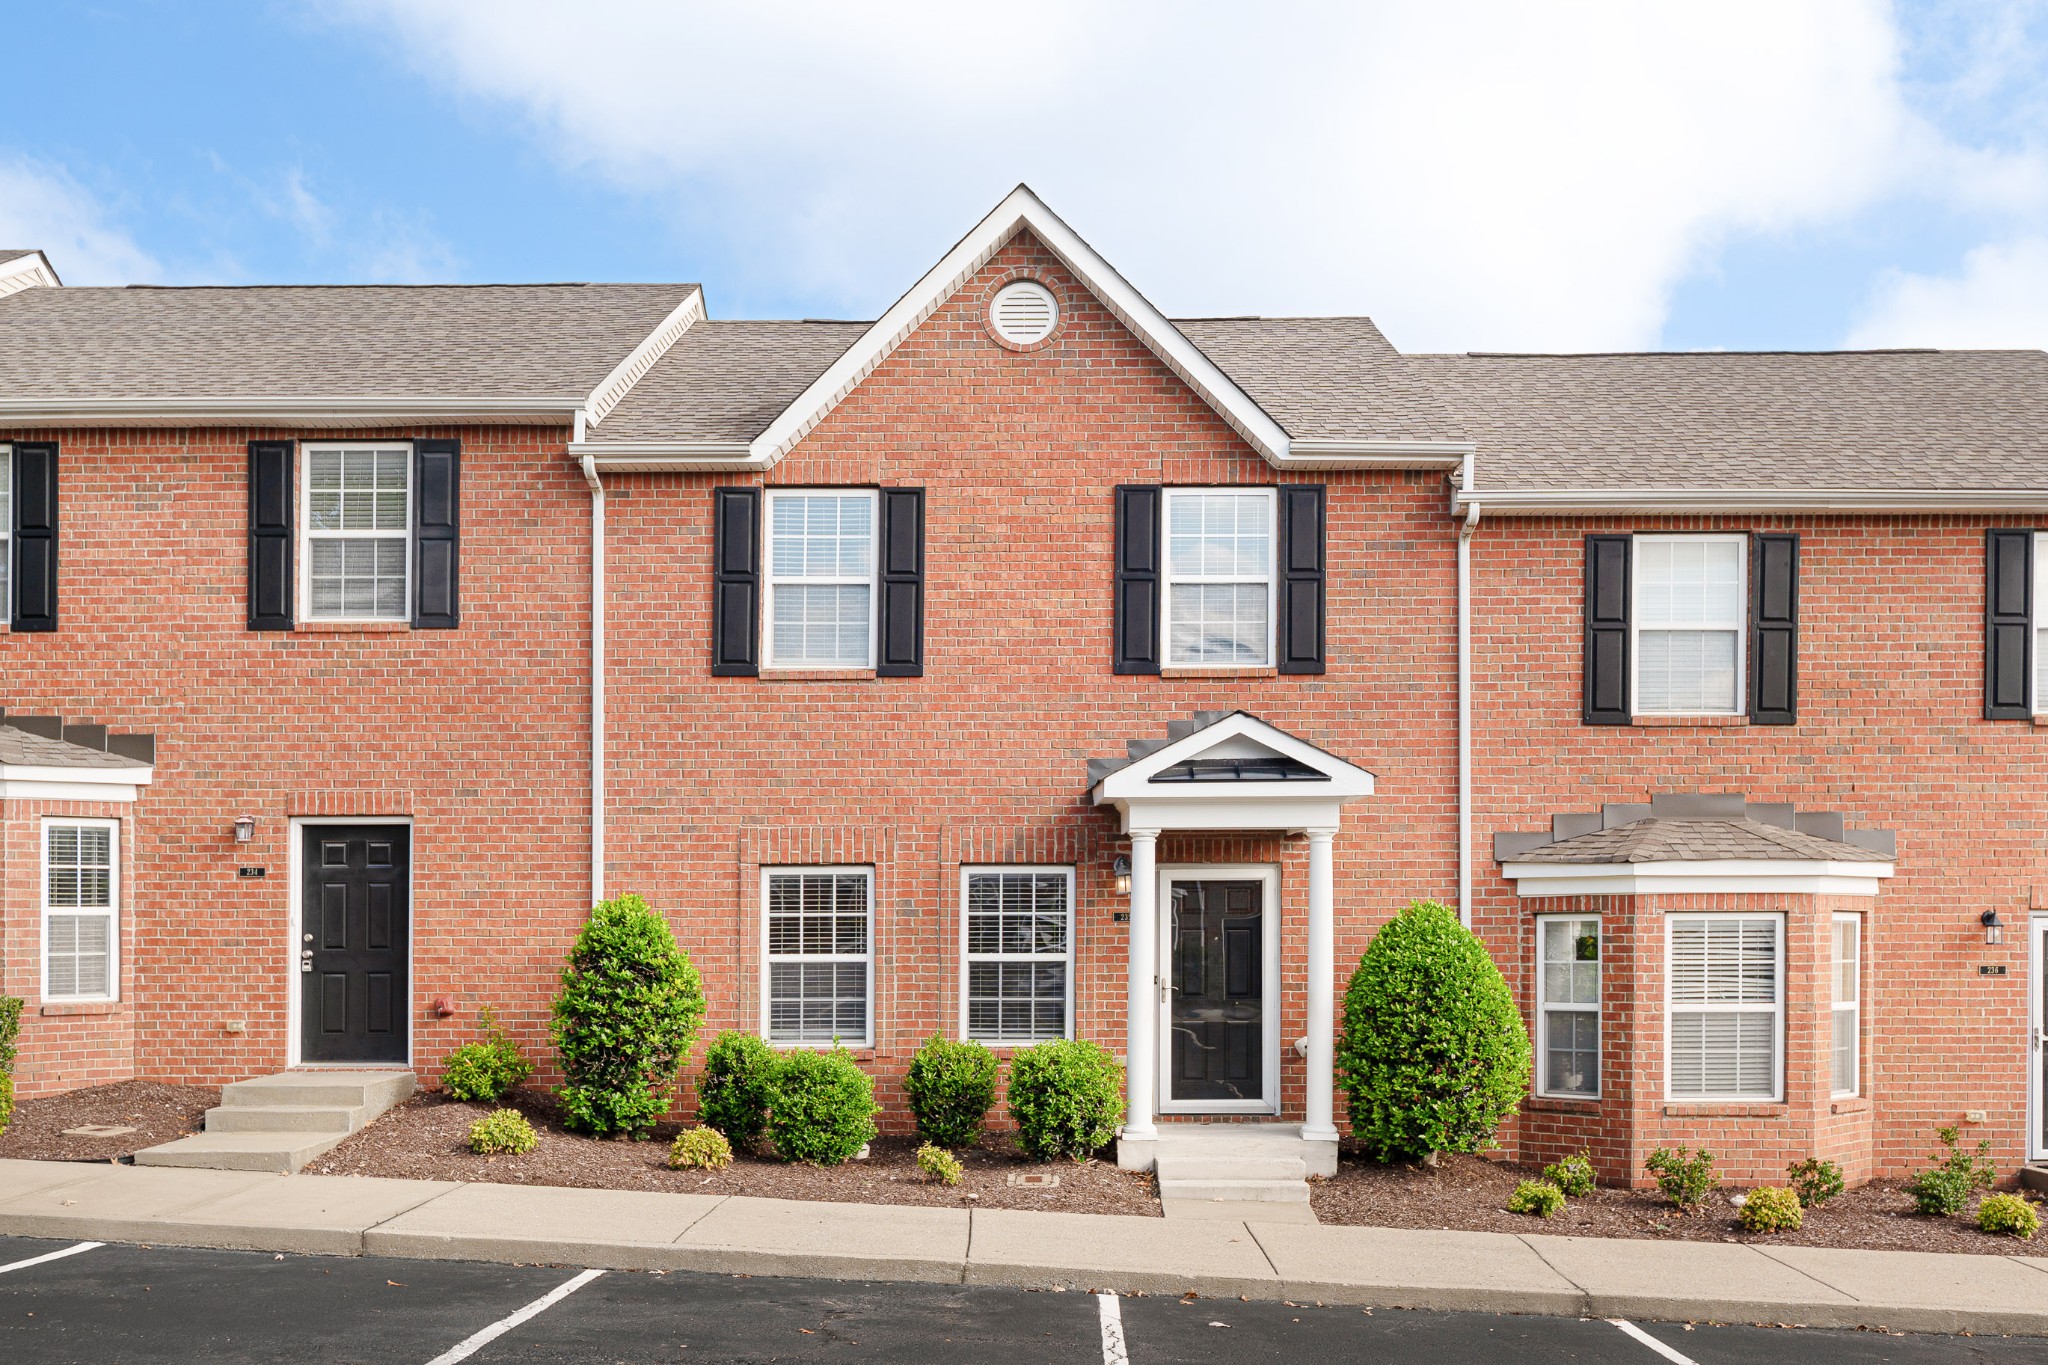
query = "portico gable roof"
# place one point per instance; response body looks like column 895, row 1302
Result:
column 1226, row 770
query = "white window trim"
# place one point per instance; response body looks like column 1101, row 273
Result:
column 2037, row 695
column 1854, row 1007
column 968, row 957
column 1268, row 875
column 6, row 534
column 1777, row 1008
column 1544, row 1006
column 873, row 580
column 112, row 912
column 305, row 535
column 1635, row 621
column 1167, row 581
column 768, row 960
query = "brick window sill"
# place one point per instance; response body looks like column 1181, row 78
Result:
column 352, row 627
column 1558, row 1104
column 1219, row 672
column 80, row 1010
column 1666, row 722
column 1727, row 1111
column 1853, row 1104
column 818, row 675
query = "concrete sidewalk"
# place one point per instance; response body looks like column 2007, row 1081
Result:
column 1382, row 1267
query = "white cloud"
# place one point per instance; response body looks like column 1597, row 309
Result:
column 1998, row 299
column 1480, row 174
column 41, row 206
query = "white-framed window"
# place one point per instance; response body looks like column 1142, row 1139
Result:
column 820, row 583
column 1218, row 577
column 2040, row 678
column 1568, row 1006
column 819, row 961
column 1689, row 619
column 1724, row 978
column 1019, row 930
column 1847, row 976
column 81, row 910
column 355, row 505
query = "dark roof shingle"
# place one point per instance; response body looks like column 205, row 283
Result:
column 1673, row 839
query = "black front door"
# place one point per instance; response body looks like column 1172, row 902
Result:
column 355, row 925
column 1219, row 1006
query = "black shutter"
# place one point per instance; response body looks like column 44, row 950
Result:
column 35, row 537
column 1773, row 629
column 270, row 535
column 1605, row 682
column 1302, row 540
column 900, row 651
column 736, row 582
column 2008, row 624
column 1137, row 578
column 436, row 545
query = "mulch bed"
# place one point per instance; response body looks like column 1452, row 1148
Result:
column 427, row 1138
column 1469, row 1193
column 158, row 1113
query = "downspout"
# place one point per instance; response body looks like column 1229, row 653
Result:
column 597, row 667
column 1465, row 531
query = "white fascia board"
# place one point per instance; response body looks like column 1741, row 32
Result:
column 1019, row 210
column 1720, row 877
column 666, row 457
column 129, row 777
column 1848, row 501
column 1133, row 780
column 616, row 385
column 1224, row 806
column 1307, row 453
column 312, row 410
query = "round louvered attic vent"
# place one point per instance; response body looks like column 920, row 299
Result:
column 1023, row 313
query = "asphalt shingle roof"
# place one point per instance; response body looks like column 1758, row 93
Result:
column 22, row 749
column 726, row 381
column 1670, row 839
column 1329, row 378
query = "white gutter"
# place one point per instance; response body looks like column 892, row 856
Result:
column 275, row 405
column 1552, row 501
column 1465, row 532
column 597, row 669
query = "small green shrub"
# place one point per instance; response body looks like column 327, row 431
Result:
column 732, row 1096
column 936, row 1163
column 1816, row 1181
column 1685, row 1180
column 1067, row 1097
column 951, row 1087
column 821, row 1107
column 625, row 1019
column 1537, row 1197
column 1770, row 1208
column 6, row 1101
column 502, row 1132
column 1944, row 1189
column 2009, row 1214
column 10, row 1030
column 1434, row 1053
column 700, row 1149
column 1573, row 1175
column 485, row 1070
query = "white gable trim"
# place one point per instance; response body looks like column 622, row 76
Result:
column 1734, row 876
column 1145, row 804
column 1020, row 210
column 27, row 272
column 616, row 385
column 35, row 782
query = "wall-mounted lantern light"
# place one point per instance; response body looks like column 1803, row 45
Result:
column 1122, row 868
column 1994, row 927
column 245, row 828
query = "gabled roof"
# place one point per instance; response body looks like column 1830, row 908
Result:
column 22, row 749
column 1226, row 770
column 24, row 268
column 1696, row 839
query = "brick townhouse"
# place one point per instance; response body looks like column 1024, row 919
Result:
column 1024, row 664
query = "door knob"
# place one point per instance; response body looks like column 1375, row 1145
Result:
column 309, row 938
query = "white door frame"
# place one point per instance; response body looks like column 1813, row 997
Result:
column 296, row 866
column 1268, row 875
column 2037, row 1044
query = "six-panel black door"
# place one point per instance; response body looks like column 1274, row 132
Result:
column 355, row 924
column 1218, row 1012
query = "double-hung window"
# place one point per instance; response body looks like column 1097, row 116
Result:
column 1690, row 618
column 1568, row 1006
column 1218, row 577
column 1019, row 953
column 820, row 960
column 2039, row 624
column 821, row 578
column 6, row 531
column 1725, row 1015
column 81, row 910
column 358, row 538
column 1847, row 1014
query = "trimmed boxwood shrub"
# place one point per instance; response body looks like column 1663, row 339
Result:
column 485, row 1070
column 732, row 1094
column 1538, row 1198
column 625, row 1020
column 821, row 1107
column 502, row 1132
column 1067, row 1098
column 1770, row 1208
column 700, row 1149
column 1434, row 1054
column 952, row 1086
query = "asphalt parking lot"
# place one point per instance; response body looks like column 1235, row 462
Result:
column 128, row 1303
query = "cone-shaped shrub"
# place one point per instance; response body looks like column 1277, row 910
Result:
column 1434, row 1054
column 625, row 1020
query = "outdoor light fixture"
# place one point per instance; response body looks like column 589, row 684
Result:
column 245, row 828
column 1122, row 868
column 1994, row 927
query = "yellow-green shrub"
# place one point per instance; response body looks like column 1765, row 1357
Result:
column 502, row 1132
column 1770, row 1208
column 2009, row 1214
column 936, row 1163
column 700, row 1149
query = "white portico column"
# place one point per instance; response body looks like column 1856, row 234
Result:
column 1319, row 1125
column 1142, row 1046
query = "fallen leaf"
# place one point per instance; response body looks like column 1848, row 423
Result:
column 394, row 1284
column 807, row 1331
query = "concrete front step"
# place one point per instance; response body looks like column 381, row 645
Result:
column 372, row 1091
column 281, row 1122
column 279, row 1153
column 1230, row 1167
column 2035, row 1177
column 284, row 1118
column 1250, row 1191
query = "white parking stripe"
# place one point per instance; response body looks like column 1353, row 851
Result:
column 469, row 1346
column 52, row 1256
column 1112, row 1310
column 1675, row 1357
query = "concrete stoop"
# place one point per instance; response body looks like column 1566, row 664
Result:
column 1234, row 1171
column 279, row 1123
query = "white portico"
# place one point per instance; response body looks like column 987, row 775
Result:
column 1203, row 1014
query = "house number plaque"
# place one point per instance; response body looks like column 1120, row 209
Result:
column 1991, row 969
column 247, row 872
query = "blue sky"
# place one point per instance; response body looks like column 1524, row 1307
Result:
column 1484, row 174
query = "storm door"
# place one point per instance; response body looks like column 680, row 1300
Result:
column 1218, row 1016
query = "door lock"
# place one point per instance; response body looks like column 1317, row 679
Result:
column 306, row 960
